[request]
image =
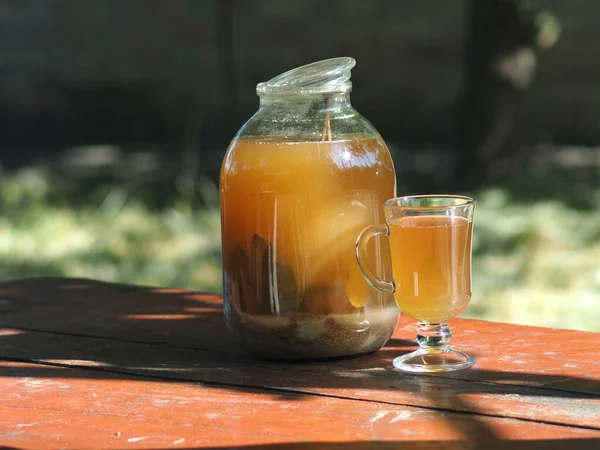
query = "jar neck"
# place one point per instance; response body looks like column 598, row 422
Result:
column 318, row 103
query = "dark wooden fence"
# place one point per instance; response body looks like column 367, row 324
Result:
column 141, row 70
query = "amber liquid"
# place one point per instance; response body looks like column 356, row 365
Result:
column 431, row 263
column 291, row 212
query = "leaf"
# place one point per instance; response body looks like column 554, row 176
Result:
column 277, row 283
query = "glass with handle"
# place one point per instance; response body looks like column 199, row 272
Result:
column 430, row 242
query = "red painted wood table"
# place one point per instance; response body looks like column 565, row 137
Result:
column 85, row 364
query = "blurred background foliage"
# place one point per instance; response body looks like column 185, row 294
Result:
column 116, row 116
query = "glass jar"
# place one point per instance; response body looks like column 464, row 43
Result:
column 299, row 181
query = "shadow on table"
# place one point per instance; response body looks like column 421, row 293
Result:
column 580, row 444
column 178, row 336
column 562, row 444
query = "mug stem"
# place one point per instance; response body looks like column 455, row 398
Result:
column 434, row 353
column 433, row 336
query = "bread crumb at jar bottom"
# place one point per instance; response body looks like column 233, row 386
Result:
column 297, row 336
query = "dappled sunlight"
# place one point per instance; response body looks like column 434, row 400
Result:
column 201, row 309
column 117, row 117
column 535, row 260
column 87, row 357
column 536, row 263
column 134, row 243
column 79, row 362
column 161, row 316
column 4, row 332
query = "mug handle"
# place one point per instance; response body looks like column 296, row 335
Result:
column 361, row 250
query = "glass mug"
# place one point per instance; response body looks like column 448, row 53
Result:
column 430, row 242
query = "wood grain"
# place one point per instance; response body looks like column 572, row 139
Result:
column 162, row 367
column 73, row 406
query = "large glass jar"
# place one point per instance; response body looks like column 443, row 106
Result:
column 298, row 183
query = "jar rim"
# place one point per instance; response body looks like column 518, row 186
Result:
column 321, row 77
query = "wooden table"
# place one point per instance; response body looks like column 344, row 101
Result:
column 89, row 364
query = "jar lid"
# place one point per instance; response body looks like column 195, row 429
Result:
column 321, row 77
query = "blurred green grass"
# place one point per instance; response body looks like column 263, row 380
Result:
column 535, row 262
column 111, row 237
